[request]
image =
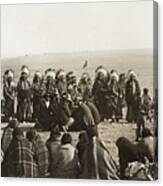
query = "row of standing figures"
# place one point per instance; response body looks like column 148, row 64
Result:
column 57, row 98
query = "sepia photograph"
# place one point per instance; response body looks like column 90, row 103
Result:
column 79, row 90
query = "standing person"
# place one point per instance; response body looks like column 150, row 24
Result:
column 64, row 116
column 82, row 144
column 132, row 96
column 36, row 89
column 140, row 123
column 85, row 86
column 61, row 81
column 24, row 111
column 113, row 110
column 97, row 162
column 46, row 114
column 9, row 92
column 72, row 87
column 121, row 95
column 41, row 153
column 48, row 84
column 19, row 158
column 66, row 162
column 99, row 90
column 94, row 111
column 7, row 135
column 146, row 101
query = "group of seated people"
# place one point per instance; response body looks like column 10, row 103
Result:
column 26, row 154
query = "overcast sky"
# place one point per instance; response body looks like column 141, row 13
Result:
column 51, row 28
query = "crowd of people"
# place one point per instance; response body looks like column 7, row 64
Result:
column 56, row 97
column 57, row 102
column 26, row 154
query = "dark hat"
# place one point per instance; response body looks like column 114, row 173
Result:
column 92, row 131
column 66, row 139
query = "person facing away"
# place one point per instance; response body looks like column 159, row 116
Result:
column 7, row 135
column 82, row 144
column 19, row 158
column 53, row 143
column 97, row 162
column 82, row 115
column 41, row 153
column 64, row 115
column 66, row 162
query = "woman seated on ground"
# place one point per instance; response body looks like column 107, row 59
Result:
column 66, row 162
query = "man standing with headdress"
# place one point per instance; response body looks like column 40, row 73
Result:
column 48, row 84
column 112, row 97
column 99, row 90
column 133, row 98
column 61, row 81
column 24, row 110
column 9, row 91
column 36, row 90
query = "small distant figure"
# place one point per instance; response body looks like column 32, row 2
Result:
column 146, row 102
column 140, row 123
column 121, row 95
column 85, row 64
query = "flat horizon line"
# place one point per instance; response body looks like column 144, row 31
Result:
column 75, row 52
